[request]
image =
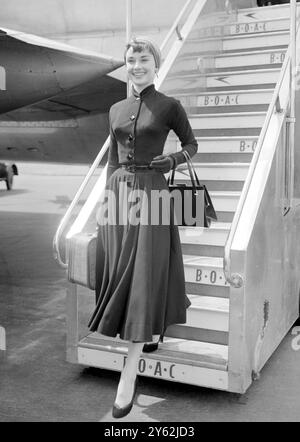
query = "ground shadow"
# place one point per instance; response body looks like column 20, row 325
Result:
column 8, row 193
column 64, row 201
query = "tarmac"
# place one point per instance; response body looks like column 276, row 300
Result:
column 36, row 382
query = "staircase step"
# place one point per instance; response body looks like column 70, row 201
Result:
column 215, row 235
column 220, row 99
column 227, row 120
column 224, row 149
column 206, row 270
column 229, row 60
column 208, row 290
column 228, row 132
column 223, row 80
column 225, row 203
column 229, row 185
column 238, row 42
column 241, row 28
column 201, row 110
column 179, row 360
column 205, row 242
column 222, row 201
column 215, row 171
column 199, row 241
column 208, row 313
column 217, row 177
column 223, row 157
column 207, row 318
column 250, row 15
column 218, row 145
column 225, row 144
column 265, row 13
column 243, row 144
column 237, row 59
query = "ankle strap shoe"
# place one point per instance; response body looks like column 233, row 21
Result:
column 148, row 348
column 119, row 412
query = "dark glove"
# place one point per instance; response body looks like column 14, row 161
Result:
column 163, row 163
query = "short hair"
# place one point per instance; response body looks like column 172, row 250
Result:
column 139, row 44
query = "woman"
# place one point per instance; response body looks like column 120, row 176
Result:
column 140, row 288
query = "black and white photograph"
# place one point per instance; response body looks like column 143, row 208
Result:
column 150, row 213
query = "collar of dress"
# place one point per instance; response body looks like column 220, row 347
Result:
column 147, row 91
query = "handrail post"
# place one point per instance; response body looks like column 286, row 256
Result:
column 293, row 76
column 128, row 32
column 175, row 27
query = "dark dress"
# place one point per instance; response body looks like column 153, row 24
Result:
column 140, row 283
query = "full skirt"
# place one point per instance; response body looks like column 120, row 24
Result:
column 140, row 283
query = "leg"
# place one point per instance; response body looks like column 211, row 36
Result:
column 2, row 339
column 128, row 375
column 72, row 322
column 155, row 338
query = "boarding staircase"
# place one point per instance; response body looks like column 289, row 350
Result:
column 226, row 96
column 224, row 74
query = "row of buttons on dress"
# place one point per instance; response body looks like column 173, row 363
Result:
column 130, row 156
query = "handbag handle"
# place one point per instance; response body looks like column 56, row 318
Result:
column 209, row 208
column 193, row 175
column 191, row 167
column 170, row 180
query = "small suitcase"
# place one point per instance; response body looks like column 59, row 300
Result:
column 82, row 259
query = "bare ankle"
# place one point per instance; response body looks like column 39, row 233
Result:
column 128, row 374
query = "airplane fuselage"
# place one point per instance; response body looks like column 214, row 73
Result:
column 35, row 69
column 75, row 140
column 54, row 99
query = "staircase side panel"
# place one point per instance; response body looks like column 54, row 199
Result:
column 237, row 363
column 270, row 297
column 297, row 138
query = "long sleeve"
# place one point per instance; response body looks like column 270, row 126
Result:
column 181, row 126
column 113, row 159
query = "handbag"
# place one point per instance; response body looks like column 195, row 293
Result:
column 195, row 202
column 82, row 259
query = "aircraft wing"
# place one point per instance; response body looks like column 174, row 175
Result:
column 53, row 77
column 96, row 96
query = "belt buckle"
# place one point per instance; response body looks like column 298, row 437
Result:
column 131, row 168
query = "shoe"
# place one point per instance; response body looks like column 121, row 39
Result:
column 148, row 348
column 119, row 412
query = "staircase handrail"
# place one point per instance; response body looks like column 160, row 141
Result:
column 167, row 63
column 175, row 26
column 274, row 107
column 66, row 218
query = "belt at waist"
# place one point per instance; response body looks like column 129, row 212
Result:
column 135, row 167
